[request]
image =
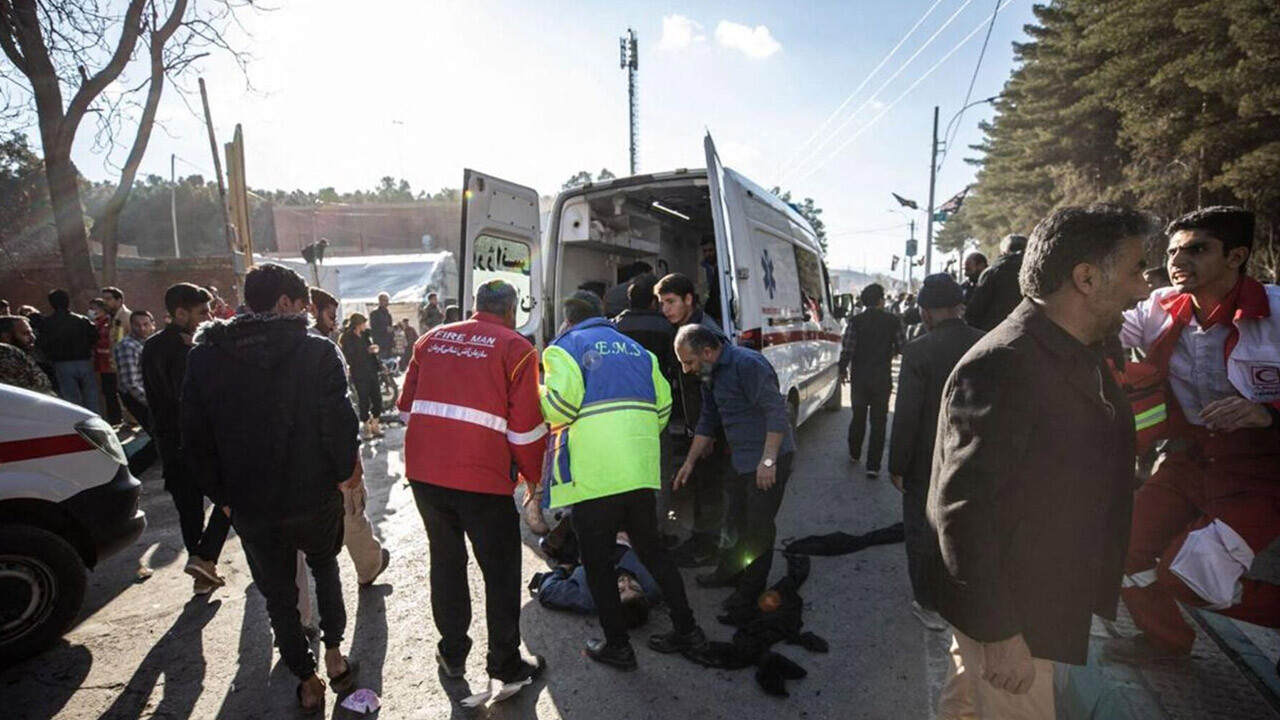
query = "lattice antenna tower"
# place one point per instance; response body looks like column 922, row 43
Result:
column 629, row 60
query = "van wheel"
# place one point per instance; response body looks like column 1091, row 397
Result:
column 42, row 583
column 833, row 402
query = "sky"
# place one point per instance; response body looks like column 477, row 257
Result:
column 344, row 93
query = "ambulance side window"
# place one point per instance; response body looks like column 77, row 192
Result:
column 809, row 270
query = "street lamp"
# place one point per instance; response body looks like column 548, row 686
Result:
column 933, row 176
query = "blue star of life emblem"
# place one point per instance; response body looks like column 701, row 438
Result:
column 770, row 283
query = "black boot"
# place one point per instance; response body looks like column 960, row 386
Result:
column 676, row 641
column 622, row 657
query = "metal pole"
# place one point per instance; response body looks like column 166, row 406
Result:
column 217, row 170
column 933, row 180
column 173, row 202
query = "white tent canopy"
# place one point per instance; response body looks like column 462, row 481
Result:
column 357, row 280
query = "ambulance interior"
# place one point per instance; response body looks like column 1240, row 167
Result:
column 603, row 233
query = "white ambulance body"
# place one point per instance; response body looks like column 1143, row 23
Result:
column 774, row 294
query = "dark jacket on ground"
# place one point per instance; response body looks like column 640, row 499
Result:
column 355, row 348
column 651, row 329
column 1032, row 488
column 926, row 363
column 998, row 293
column 267, row 426
column 65, row 337
column 870, row 341
column 164, row 365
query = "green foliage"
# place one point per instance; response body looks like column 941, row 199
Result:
column 1167, row 105
column 24, row 199
column 582, row 177
column 809, row 211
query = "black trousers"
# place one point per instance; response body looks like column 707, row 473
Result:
column 271, row 546
column 870, row 395
column 751, row 521
column 137, row 409
column 492, row 524
column 110, row 394
column 200, row 540
column 708, row 486
column 597, row 523
column 369, row 395
column 921, row 541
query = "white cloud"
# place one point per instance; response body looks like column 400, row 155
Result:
column 679, row 32
column 877, row 106
column 756, row 42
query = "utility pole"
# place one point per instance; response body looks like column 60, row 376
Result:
column 933, row 180
column 173, row 202
column 217, row 170
column 911, row 252
column 629, row 60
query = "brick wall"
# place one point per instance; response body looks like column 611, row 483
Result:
column 143, row 280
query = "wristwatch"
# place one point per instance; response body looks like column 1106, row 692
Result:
column 768, row 462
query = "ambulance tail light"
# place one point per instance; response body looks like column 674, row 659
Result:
column 753, row 339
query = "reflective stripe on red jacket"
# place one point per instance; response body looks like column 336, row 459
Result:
column 472, row 395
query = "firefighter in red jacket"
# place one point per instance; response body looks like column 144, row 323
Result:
column 471, row 395
column 1213, row 502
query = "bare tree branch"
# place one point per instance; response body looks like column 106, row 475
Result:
column 94, row 86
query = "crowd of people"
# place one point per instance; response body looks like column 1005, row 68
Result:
column 1031, row 399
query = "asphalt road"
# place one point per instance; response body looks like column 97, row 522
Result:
column 144, row 648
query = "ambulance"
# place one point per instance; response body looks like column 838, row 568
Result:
column 67, row 500
column 774, row 293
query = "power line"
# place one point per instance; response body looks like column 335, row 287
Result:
column 946, row 147
column 861, row 85
column 812, row 154
column 1003, row 4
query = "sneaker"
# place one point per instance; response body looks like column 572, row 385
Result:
column 200, row 586
column 873, row 474
column 928, row 618
column 622, row 657
column 854, row 459
column 1139, row 650
column 199, row 568
column 450, row 670
column 676, row 641
column 386, row 560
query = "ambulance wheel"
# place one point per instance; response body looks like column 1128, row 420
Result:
column 42, row 584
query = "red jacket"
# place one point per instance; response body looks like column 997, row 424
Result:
column 472, row 395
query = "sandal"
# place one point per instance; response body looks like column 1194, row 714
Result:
column 345, row 681
column 310, row 709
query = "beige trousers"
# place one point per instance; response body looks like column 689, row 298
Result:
column 966, row 696
column 362, row 546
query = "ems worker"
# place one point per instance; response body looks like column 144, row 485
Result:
column 472, row 398
column 1214, row 500
column 607, row 402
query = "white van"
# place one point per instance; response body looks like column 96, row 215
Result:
column 67, row 500
column 774, row 294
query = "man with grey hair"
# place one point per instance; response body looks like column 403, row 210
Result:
column 607, row 402
column 471, row 395
column 997, row 292
column 740, row 395
column 1032, row 482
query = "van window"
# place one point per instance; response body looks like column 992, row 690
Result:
column 507, row 260
column 809, row 268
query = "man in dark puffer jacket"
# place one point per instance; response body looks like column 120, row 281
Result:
column 268, row 427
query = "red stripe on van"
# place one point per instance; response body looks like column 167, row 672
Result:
column 753, row 338
column 34, row 448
